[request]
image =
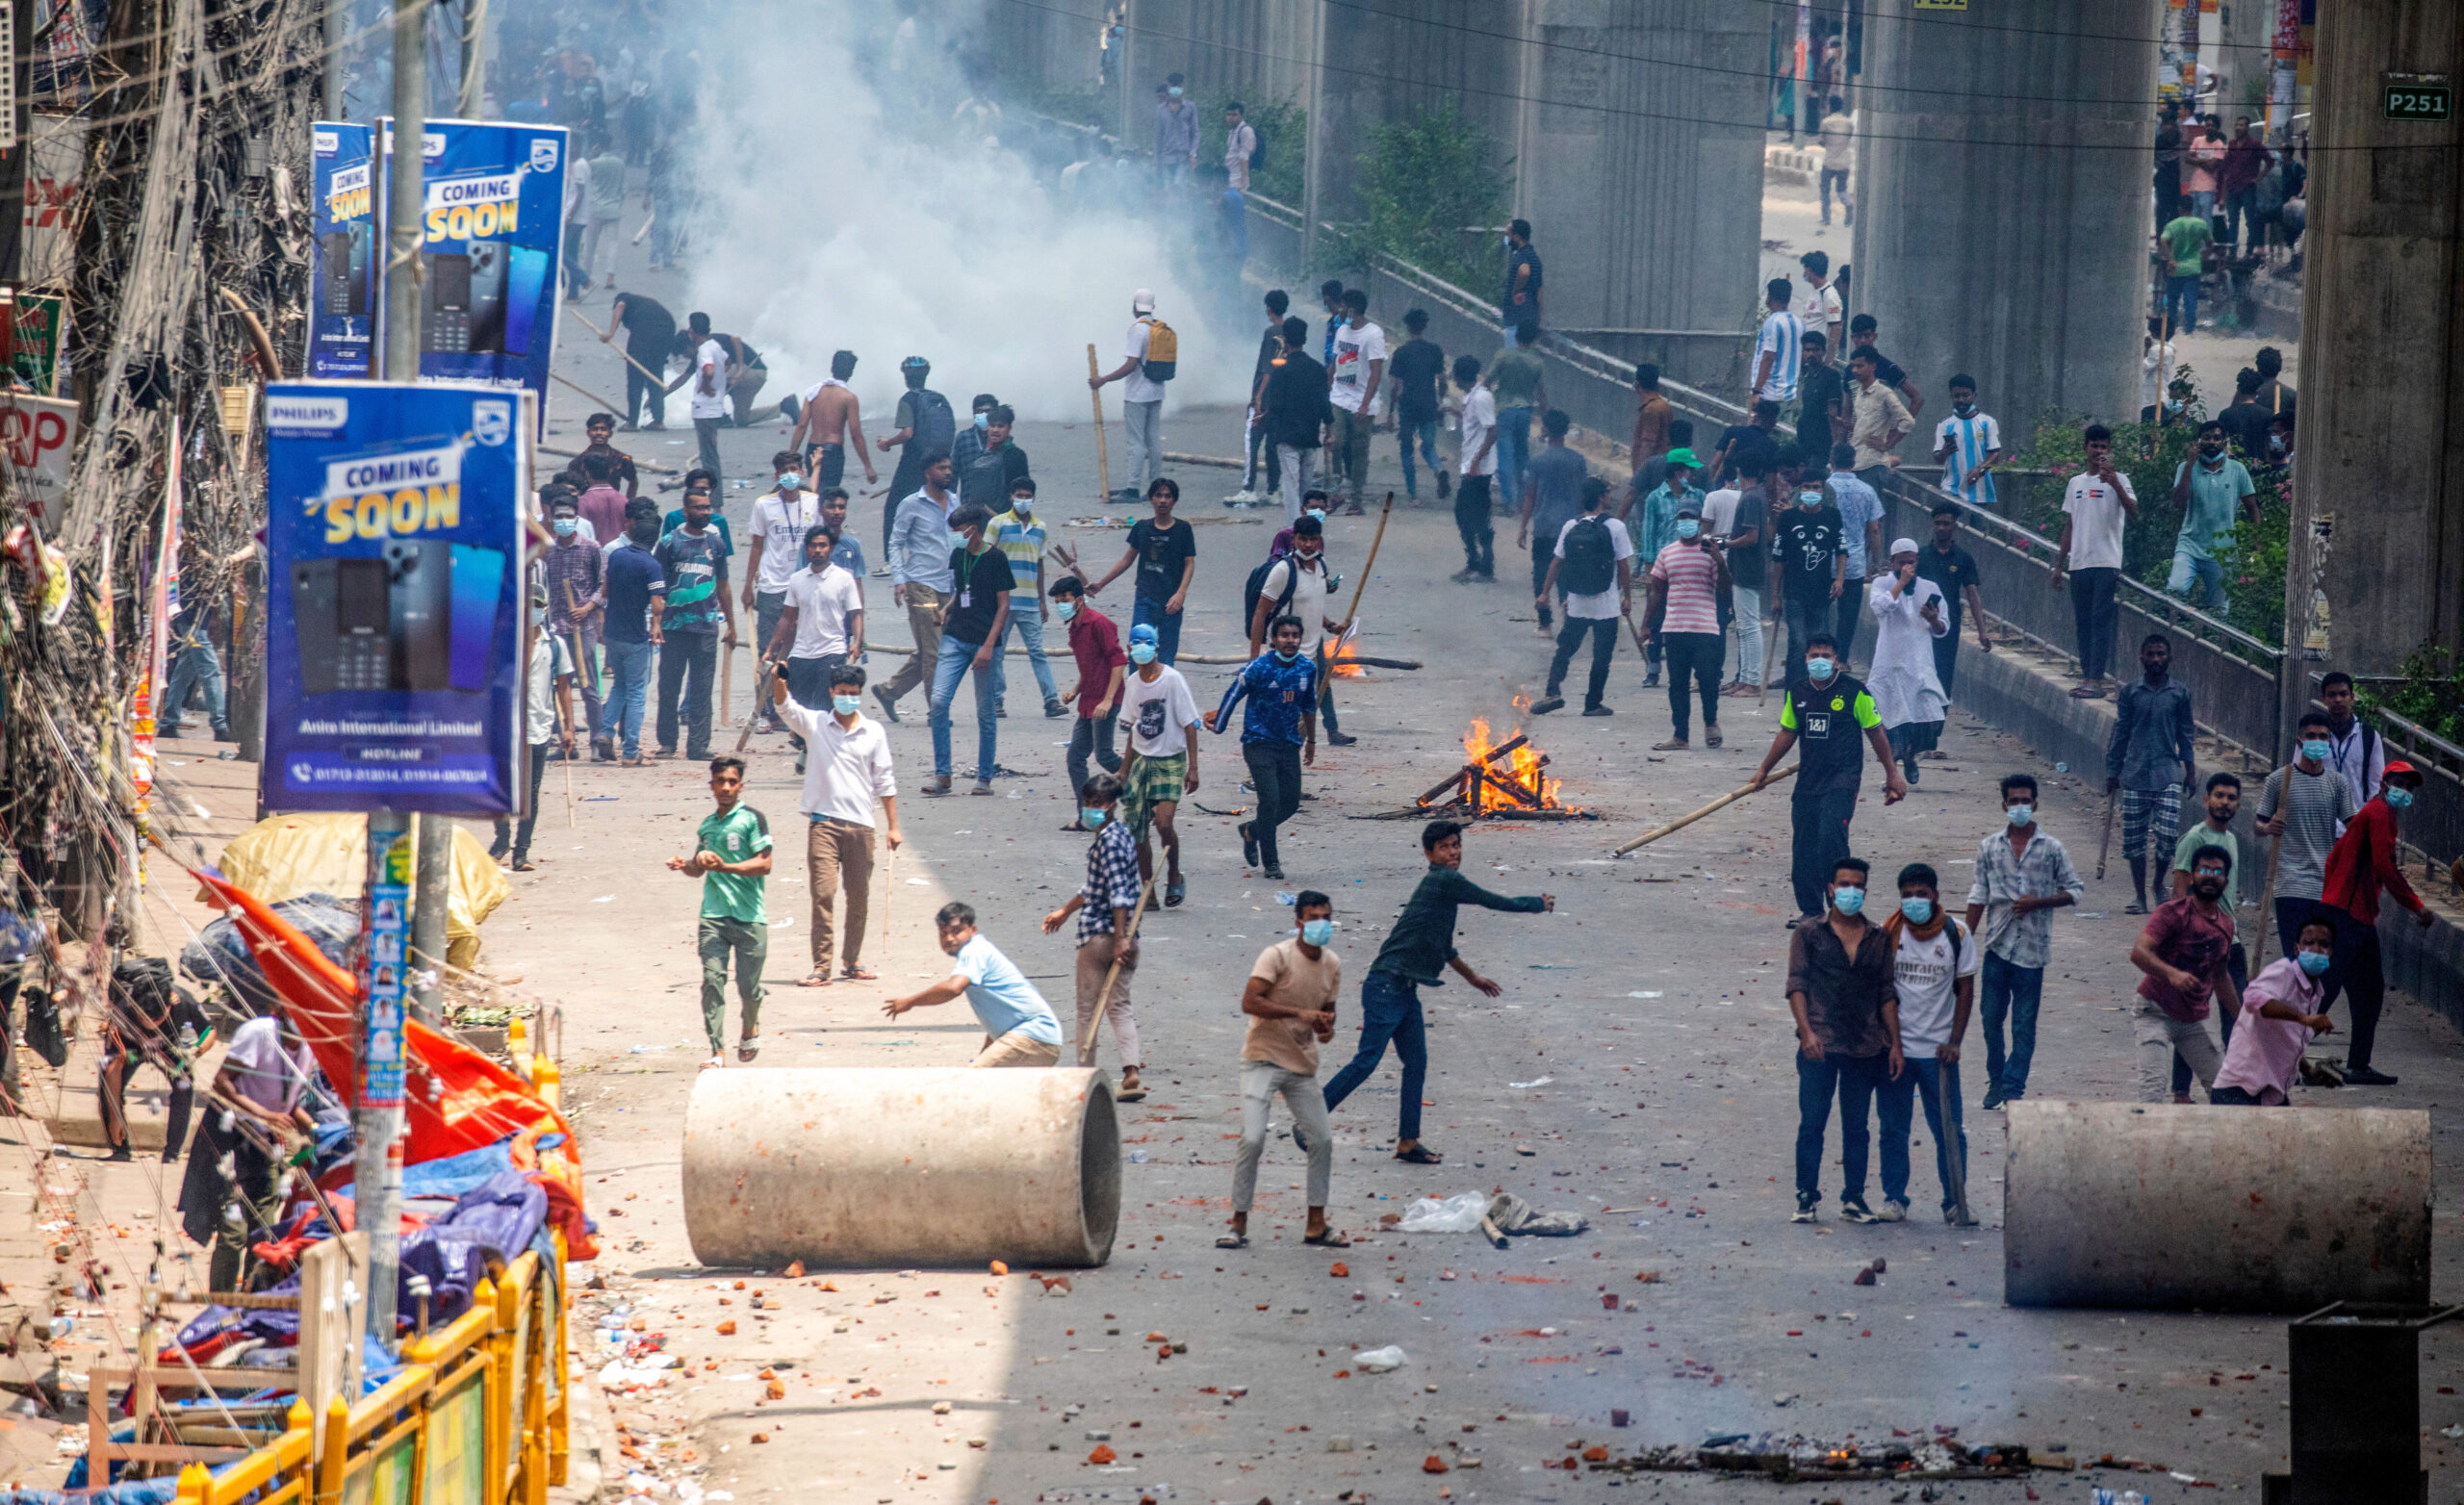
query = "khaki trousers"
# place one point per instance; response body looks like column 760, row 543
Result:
column 1094, row 965
column 839, row 850
column 924, row 625
column 1015, row 1049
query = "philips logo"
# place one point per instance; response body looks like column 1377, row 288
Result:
column 328, row 142
column 292, row 414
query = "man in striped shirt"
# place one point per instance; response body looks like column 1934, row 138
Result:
column 1684, row 617
column 1780, row 345
column 1969, row 445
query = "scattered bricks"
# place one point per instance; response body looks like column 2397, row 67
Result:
column 1610, row 1300
column 1595, row 1454
column 940, row 1408
column 1434, row 1463
column 1101, row 1455
column 761, row 1436
column 774, row 1390
column 1616, row 1419
column 999, row 1269
column 1340, row 1271
column 727, row 1330
column 795, row 1271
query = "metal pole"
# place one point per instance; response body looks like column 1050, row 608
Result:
column 377, row 1176
column 406, row 201
column 337, row 70
column 472, row 102
column 428, row 916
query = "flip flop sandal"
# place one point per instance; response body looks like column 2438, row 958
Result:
column 748, row 1049
column 818, row 976
column 1419, row 1155
column 858, row 975
column 524, row 865
column 1136, row 1094
column 1173, row 893
column 1329, row 1240
column 1233, row 1241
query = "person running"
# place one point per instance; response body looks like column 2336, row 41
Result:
column 2153, row 757
column 1094, row 647
column 1912, row 619
column 1594, row 562
column 1418, row 370
column 926, row 429
column 699, row 624
column 1106, row 905
column 1934, row 960
column 920, row 578
column 830, row 423
column 2022, row 876
column 2363, row 862
column 1683, row 620
column 1021, row 537
column 1278, row 734
column 1352, row 380
column 2097, row 504
column 1478, row 460
column 1420, row 948
column 973, row 617
column 1834, row 718
column 1142, row 402
column 732, row 857
column 1294, row 412
column 780, row 521
column 1846, row 1002
column 2182, row 950
column 848, row 767
column 1968, row 445
column 2281, row 1013
column 1164, row 551
column 1162, row 761
column 1808, row 567
column 2302, row 808
column 1020, row 1028
column 1953, row 570
column 1298, row 584
column 1289, row 1004
column 1551, row 497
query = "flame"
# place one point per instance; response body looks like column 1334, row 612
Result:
column 1524, row 763
column 1338, row 662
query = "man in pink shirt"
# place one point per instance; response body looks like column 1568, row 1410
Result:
column 2201, row 162
column 2279, row 1016
column 1684, row 615
column 601, row 504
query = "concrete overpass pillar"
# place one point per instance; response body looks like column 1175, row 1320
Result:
column 2378, row 493
column 2003, row 213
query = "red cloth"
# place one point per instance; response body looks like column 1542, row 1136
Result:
column 2363, row 861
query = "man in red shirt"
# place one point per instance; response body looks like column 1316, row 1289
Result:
column 2362, row 862
column 1094, row 642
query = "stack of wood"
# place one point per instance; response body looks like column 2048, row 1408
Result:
column 1469, row 782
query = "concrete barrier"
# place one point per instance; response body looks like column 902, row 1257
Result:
column 881, row 1165
column 2217, row 1209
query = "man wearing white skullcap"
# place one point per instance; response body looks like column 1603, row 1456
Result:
column 1906, row 691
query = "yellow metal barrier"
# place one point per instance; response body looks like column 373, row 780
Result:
column 478, row 1416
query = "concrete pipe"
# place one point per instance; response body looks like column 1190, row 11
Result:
column 877, row 1167
column 2221, row 1209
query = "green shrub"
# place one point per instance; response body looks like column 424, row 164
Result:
column 1283, row 144
column 1424, row 183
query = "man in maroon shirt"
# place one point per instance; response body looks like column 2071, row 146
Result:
column 603, row 504
column 2185, row 950
column 2246, row 160
column 1094, row 642
column 2362, row 862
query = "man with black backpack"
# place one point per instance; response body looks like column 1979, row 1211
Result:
column 1152, row 358
column 926, row 427
column 1595, row 564
column 996, row 466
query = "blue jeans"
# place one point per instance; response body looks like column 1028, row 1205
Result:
column 1514, row 453
column 1390, row 1009
column 2011, row 992
column 202, row 667
column 2202, row 202
column 1028, row 623
column 956, row 657
column 1146, row 613
column 1938, row 1084
column 1424, row 432
column 2181, row 303
column 628, row 676
column 1852, row 1078
column 2206, row 573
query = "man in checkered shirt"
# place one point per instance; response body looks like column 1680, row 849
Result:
column 1103, row 905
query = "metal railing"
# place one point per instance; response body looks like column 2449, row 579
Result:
column 2434, row 826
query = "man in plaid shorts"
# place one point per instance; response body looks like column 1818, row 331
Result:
column 1106, row 905
column 1162, row 764
column 2153, row 758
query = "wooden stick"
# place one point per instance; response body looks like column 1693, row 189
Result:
column 1104, row 999
column 1770, row 654
column 2104, row 843
column 1367, row 565
column 1684, row 820
column 1220, row 462
column 1103, row 456
column 889, row 886
column 760, row 688
column 726, row 684
column 565, row 724
column 602, row 400
column 657, row 379
column 639, row 465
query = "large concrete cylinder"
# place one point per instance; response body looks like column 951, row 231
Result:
column 2221, row 1209
column 874, row 1166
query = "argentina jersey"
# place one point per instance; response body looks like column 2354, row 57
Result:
column 1782, row 337
column 1970, row 441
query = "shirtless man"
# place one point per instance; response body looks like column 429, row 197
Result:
column 829, row 413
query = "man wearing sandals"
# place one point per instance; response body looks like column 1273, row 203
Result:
column 1020, row 1028
column 1291, row 1006
column 1106, row 905
column 732, row 858
column 847, row 768
column 1162, row 765
column 1420, row 946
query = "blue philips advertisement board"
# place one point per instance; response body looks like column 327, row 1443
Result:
column 493, row 231
column 395, row 612
column 342, row 301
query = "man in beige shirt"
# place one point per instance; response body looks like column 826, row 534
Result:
column 1877, row 418
column 1291, row 1005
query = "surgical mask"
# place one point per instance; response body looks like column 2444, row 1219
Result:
column 1092, row 820
column 566, row 527
column 1848, row 901
column 1174, row 92
column 2020, row 814
column 846, row 705
column 1688, row 527
column 983, row 420
column 2316, row 750
column 1023, row 505
column 1320, row 513
column 1809, row 499
column 1065, row 609
column 1284, row 657
column 2214, row 456
column 1317, row 932
column 1821, row 669
column 1963, row 409
column 2312, row 962
column 1142, row 652
column 1918, row 911
column 789, row 484
column 2397, row 797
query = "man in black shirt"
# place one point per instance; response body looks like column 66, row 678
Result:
column 1295, row 412
column 1737, row 438
column 1822, row 398
column 1829, row 718
column 1949, row 565
column 1418, row 370
column 1808, row 567
column 1254, row 441
column 972, row 620
column 2245, row 420
column 650, row 335
column 601, row 427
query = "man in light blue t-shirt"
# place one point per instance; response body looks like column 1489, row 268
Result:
column 1020, row 1028
column 2214, row 492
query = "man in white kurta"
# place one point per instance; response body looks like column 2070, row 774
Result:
column 1906, row 692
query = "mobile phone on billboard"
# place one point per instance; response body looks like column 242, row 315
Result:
column 479, row 583
column 528, row 278
column 341, row 616
column 446, row 326
column 487, row 295
column 418, row 582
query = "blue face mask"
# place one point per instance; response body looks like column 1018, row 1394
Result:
column 1174, row 92
column 1284, row 657
column 1142, row 652
column 2020, row 814
column 2398, row 796
column 1092, row 820
column 1821, row 669
column 846, row 705
column 1317, row 932
column 2312, row 962
column 1320, row 513
column 1919, row 911
column 566, row 527
column 789, row 485
column 2316, row 750
column 1848, row 901
column 983, row 420
column 1065, row 609
column 1688, row 527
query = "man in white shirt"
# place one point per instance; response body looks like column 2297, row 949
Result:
column 708, row 382
column 1839, row 148
column 1780, row 347
column 1142, row 397
column 1352, row 380
column 779, row 522
column 821, row 620
column 1594, row 560
column 1821, row 312
column 2096, row 507
column 576, row 241
column 1239, row 144
column 849, row 768
column 1478, row 447
column 1936, row 965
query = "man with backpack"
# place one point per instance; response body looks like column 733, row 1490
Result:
column 1934, row 964
column 1151, row 356
column 1297, row 583
column 926, row 427
column 1595, row 564
column 993, row 472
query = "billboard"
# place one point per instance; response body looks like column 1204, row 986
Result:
column 491, row 232
column 342, row 301
column 395, row 610
column 38, row 435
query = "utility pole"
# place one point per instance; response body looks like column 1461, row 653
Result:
column 471, row 102
column 337, row 45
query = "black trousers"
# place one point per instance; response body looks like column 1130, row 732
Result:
column 1472, row 520
column 1604, row 645
column 1946, row 657
column 688, row 664
column 1542, row 555
column 640, row 389
column 1804, row 619
column 1818, row 838
column 1697, row 656
column 2360, row 971
column 2097, row 618
column 1274, row 770
column 519, row 836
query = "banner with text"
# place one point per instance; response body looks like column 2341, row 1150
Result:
column 343, row 302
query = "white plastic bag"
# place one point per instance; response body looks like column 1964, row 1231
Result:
column 1378, row 1361
column 1456, row 1215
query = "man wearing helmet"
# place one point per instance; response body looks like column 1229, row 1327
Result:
column 926, row 427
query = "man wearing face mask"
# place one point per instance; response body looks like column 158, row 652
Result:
column 2183, row 951
column 2022, row 876
column 2362, row 863
column 1290, row 1001
column 2214, row 492
column 1846, row 1003
column 1175, row 133
column 575, row 574
column 2301, row 807
column 780, row 522
column 1020, row 536
column 2280, row 1013
column 2152, row 758
column 847, row 769
column 1830, row 720
column 1104, row 905
column 1278, row 734
column 1934, row 966
column 1684, row 620
column 1094, row 647
column 820, row 626
column 1297, row 585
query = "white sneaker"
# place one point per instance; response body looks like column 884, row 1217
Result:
column 1243, row 498
column 1893, row 1212
column 715, row 1060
